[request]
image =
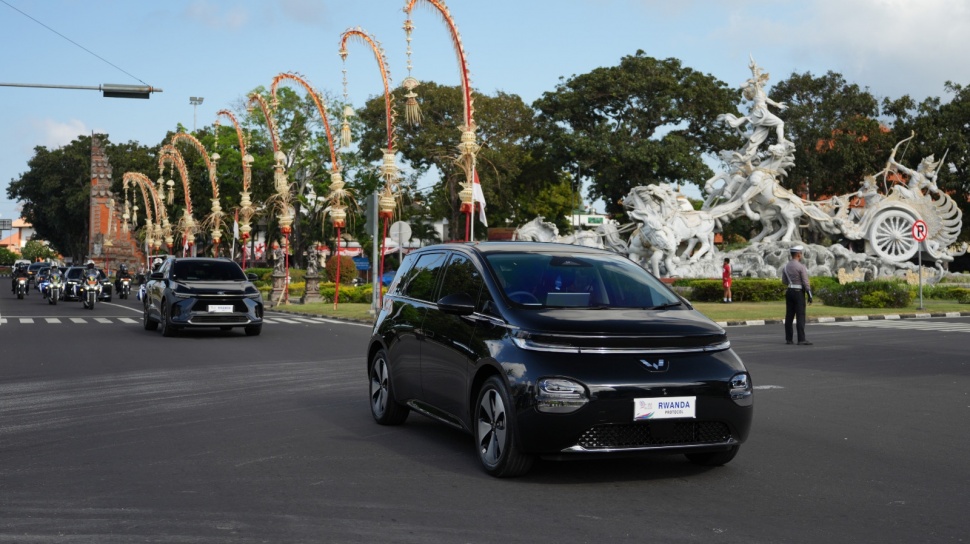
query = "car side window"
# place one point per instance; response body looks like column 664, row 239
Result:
column 461, row 276
column 419, row 282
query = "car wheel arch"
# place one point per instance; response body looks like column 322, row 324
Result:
column 485, row 371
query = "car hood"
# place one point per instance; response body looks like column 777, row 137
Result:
column 214, row 287
column 620, row 328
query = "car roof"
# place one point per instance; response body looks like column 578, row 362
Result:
column 486, row 248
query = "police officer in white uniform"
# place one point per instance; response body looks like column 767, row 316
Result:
column 795, row 277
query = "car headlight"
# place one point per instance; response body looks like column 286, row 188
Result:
column 560, row 396
column 741, row 390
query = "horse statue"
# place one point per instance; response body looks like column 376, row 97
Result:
column 666, row 205
column 540, row 230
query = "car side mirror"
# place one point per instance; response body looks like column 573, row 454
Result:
column 157, row 276
column 252, row 277
column 457, row 304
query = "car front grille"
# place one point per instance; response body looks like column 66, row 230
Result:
column 218, row 319
column 655, row 433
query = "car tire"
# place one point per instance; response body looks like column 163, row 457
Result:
column 495, row 434
column 713, row 458
column 168, row 330
column 383, row 405
column 149, row 323
column 253, row 330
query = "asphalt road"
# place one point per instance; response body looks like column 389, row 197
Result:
column 110, row 433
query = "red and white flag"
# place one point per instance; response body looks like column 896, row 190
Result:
column 479, row 197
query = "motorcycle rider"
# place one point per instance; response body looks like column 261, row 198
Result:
column 122, row 274
column 53, row 276
column 19, row 272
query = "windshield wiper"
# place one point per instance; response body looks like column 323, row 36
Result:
column 666, row 306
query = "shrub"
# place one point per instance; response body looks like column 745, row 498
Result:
column 962, row 296
column 742, row 290
column 348, row 270
column 872, row 294
column 938, row 291
column 348, row 293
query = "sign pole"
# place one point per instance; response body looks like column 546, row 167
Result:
column 920, row 261
column 920, row 232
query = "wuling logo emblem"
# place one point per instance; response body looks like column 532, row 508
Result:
column 659, row 366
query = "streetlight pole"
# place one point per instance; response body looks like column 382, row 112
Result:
column 195, row 101
column 108, row 90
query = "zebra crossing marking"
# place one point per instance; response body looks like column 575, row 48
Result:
column 275, row 320
column 905, row 324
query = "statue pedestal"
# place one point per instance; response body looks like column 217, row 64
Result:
column 312, row 292
column 278, row 295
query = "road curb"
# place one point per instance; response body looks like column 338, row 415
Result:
column 754, row 322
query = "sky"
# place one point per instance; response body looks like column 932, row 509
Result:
column 221, row 50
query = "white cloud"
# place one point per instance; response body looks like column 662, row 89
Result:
column 213, row 15
column 895, row 47
column 303, row 11
column 53, row 134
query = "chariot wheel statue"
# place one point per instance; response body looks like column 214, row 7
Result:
column 891, row 235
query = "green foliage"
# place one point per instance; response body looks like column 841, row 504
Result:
column 742, row 290
column 348, row 293
column 938, row 292
column 35, row 250
column 871, row 294
column 348, row 270
column 642, row 122
column 513, row 167
column 837, row 133
column 7, row 257
column 963, row 296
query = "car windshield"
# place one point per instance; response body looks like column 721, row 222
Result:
column 542, row 280
column 207, row 271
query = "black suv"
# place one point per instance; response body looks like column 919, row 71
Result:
column 194, row 292
column 74, row 276
column 554, row 350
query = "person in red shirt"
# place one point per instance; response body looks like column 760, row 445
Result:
column 726, row 279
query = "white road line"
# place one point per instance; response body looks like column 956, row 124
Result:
column 282, row 320
column 79, row 320
column 128, row 320
column 907, row 325
column 305, row 320
column 52, row 320
column 103, row 320
column 26, row 320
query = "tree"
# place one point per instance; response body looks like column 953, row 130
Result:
column 7, row 257
column 35, row 250
column 642, row 122
column 55, row 194
column 837, row 134
column 510, row 164
column 941, row 128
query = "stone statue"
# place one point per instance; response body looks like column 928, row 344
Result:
column 760, row 117
column 312, row 261
column 279, row 262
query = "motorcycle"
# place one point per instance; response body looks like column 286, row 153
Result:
column 54, row 289
column 124, row 287
column 90, row 290
column 21, row 287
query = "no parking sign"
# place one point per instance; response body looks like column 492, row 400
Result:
column 920, row 230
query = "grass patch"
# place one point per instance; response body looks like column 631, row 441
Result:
column 736, row 311
column 347, row 310
column 748, row 311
